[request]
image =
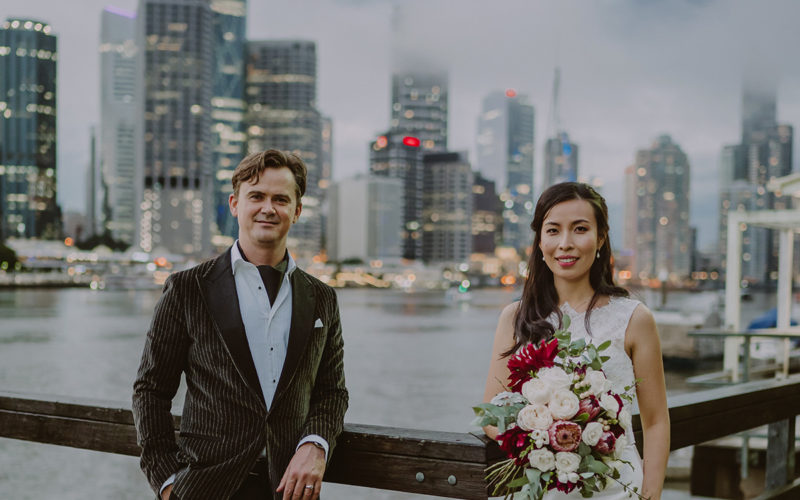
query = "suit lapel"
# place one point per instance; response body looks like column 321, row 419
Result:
column 219, row 293
column 303, row 307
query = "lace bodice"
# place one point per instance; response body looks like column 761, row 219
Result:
column 607, row 323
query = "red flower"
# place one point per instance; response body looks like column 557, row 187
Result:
column 513, row 442
column 565, row 487
column 590, row 406
column 564, row 435
column 606, row 443
column 529, row 360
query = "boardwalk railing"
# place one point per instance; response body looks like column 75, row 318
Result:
column 436, row 463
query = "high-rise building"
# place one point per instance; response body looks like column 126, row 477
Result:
column 765, row 152
column 505, row 155
column 326, row 174
column 662, row 248
column 178, row 55
column 560, row 160
column 400, row 157
column 419, row 108
column 447, row 208
column 94, row 191
column 118, row 120
column 281, row 95
column 28, row 55
column 227, row 109
column 365, row 218
column 487, row 218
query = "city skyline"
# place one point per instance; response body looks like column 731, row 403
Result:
column 635, row 81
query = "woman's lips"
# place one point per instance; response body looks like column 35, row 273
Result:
column 566, row 261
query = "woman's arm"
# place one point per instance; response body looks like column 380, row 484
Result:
column 497, row 378
column 644, row 348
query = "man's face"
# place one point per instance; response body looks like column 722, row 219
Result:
column 266, row 209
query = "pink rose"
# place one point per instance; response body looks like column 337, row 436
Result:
column 564, row 435
column 606, row 443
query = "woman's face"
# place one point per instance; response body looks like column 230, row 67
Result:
column 569, row 240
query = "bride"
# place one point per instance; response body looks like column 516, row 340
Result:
column 570, row 273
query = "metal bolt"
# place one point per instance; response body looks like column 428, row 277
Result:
column 420, row 477
column 452, row 480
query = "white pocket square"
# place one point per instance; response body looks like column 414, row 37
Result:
column 318, row 323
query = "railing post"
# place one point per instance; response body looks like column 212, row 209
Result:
column 780, row 453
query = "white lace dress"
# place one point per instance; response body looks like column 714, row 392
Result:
column 609, row 323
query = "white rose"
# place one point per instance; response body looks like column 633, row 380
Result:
column 537, row 390
column 571, row 477
column 610, row 404
column 540, row 437
column 620, row 445
column 534, row 417
column 555, row 377
column 543, row 459
column 624, row 418
column 592, row 433
column 598, row 383
column 567, row 462
column 564, row 405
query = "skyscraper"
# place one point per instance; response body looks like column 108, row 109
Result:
column 28, row 130
column 487, row 219
column 663, row 238
column 560, row 160
column 765, row 152
column 505, row 155
column 400, row 157
column 447, row 208
column 419, row 108
column 227, row 108
column 118, row 114
column 281, row 95
column 177, row 204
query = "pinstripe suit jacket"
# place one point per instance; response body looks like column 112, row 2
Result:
column 197, row 329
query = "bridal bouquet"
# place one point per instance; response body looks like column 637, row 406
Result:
column 560, row 424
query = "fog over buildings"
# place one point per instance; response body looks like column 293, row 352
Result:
column 631, row 71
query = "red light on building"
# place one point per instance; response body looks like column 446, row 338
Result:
column 511, row 93
column 382, row 141
column 411, row 141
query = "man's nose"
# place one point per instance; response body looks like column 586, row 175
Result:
column 267, row 207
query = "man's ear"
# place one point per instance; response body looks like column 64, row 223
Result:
column 233, row 202
column 297, row 212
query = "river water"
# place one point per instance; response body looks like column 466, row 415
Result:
column 411, row 360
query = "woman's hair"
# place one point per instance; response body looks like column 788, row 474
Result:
column 539, row 296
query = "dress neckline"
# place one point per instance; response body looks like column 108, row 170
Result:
column 567, row 308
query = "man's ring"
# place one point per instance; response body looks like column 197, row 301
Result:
column 309, row 486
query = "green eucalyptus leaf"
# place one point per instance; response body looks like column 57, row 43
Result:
column 605, row 345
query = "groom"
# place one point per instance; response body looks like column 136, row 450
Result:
column 260, row 344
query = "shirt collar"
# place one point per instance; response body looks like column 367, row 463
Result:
column 237, row 260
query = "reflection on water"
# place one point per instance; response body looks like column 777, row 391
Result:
column 412, row 360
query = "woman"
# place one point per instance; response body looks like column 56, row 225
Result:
column 570, row 272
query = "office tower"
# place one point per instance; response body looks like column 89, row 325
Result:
column 487, row 218
column 663, row 237
column 227, row 109
column 400, row 157
column 93, row 191
column 177, row 205
column 447, row 208
column 765, row 152
column 365, row 218
column 505, row 156
column 118, row 120
column 560, row 160
column 28, row 57
column 419, row 108
column 326, row 174
column 281, row 94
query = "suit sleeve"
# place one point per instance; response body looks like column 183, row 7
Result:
column 329, row 397
column 156, row 383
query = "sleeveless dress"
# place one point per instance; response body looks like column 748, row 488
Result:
column 608, row 323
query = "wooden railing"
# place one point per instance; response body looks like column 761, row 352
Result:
column 436, row 463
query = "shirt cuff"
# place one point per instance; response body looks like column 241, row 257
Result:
column 170, row 480
column 314, row 438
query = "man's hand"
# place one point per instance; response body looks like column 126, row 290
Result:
column 166, row 493
column 305, row 469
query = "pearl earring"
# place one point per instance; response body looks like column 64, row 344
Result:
column 542, row 258
column 598, row 254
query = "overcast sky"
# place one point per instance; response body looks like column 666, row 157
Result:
column 631, row 70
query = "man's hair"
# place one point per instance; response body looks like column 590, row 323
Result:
column 251, row 167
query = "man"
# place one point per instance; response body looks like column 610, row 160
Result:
column 260, row 344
